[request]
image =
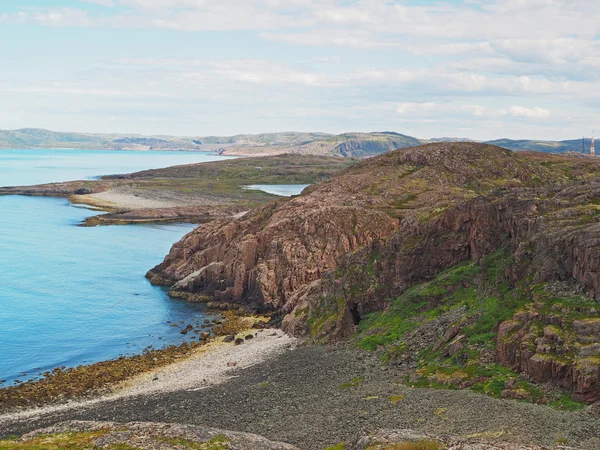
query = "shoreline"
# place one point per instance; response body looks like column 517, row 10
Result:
column 158, row 370
column 206, row 367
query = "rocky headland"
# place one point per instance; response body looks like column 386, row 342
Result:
column 475, row 265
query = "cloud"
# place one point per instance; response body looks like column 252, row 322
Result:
column 477, row 64
column 106, row 3
column 327, row 59
column 535, row 112
column 409, row 108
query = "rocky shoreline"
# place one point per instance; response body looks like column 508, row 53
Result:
column 91, row 381
column 305, row 396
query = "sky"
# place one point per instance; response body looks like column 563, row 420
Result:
column 482, row 69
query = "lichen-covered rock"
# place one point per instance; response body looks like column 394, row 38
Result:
column 566, row 353
column 391, row 439
column 149, row 436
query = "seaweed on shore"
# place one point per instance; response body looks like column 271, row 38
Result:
column 63, row 384
column 66, row 383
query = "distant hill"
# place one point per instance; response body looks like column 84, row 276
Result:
column 266, row 139
column 37, row 137
column 41, row 138
column 573, row 145
column 359, row 145
column 356, row 145
column 450, row 139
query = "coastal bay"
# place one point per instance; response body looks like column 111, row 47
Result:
column 76, row 295
column 70, row 295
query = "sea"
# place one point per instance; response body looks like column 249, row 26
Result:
column 72, row 295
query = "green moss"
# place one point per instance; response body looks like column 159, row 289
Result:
column 414, row 445
column 57, row 441
column 325, row 314
column 337, row 447
column 395, row 398
column 354, row 383
column 566, row 403
column 411, row 244
column 219, row 442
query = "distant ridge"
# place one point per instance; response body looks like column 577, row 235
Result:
column 571, row 145
column 357, row 145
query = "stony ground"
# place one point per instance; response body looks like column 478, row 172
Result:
column 315, row 397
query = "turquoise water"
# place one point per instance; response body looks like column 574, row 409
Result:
column 284, row 190
column 71, row 295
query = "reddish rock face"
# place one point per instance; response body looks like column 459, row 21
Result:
column 342, row 248
column 548, row 347
column 422, row 209
column 263, row 259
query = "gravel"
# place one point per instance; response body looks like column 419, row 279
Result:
column 295, row 397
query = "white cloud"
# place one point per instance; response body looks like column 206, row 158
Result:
column 474, row 65
column 535, row 112
column 106, row 3
column 476, row 110
column 327, row 59
column 409, row 108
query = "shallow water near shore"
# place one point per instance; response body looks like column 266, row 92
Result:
column 71, row 295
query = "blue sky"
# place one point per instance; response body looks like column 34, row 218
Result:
column 482, row 69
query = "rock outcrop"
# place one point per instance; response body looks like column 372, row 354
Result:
column 560, row 345
column 146, row 435
column 392, row 439
column 427, row 208
column 343, row 248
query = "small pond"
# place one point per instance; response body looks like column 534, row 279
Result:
column 283, row 190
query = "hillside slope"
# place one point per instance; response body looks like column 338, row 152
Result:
column 346, row 248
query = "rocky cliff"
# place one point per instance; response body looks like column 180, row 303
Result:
column 343, row 249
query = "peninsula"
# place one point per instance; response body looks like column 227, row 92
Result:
column 193, row 193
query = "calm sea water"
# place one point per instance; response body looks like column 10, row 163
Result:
column 284, row 190
column 71, row 295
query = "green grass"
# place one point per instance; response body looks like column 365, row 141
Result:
column 566, row 403
column 485, row 300
column 429, row 300
column 337, row 447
